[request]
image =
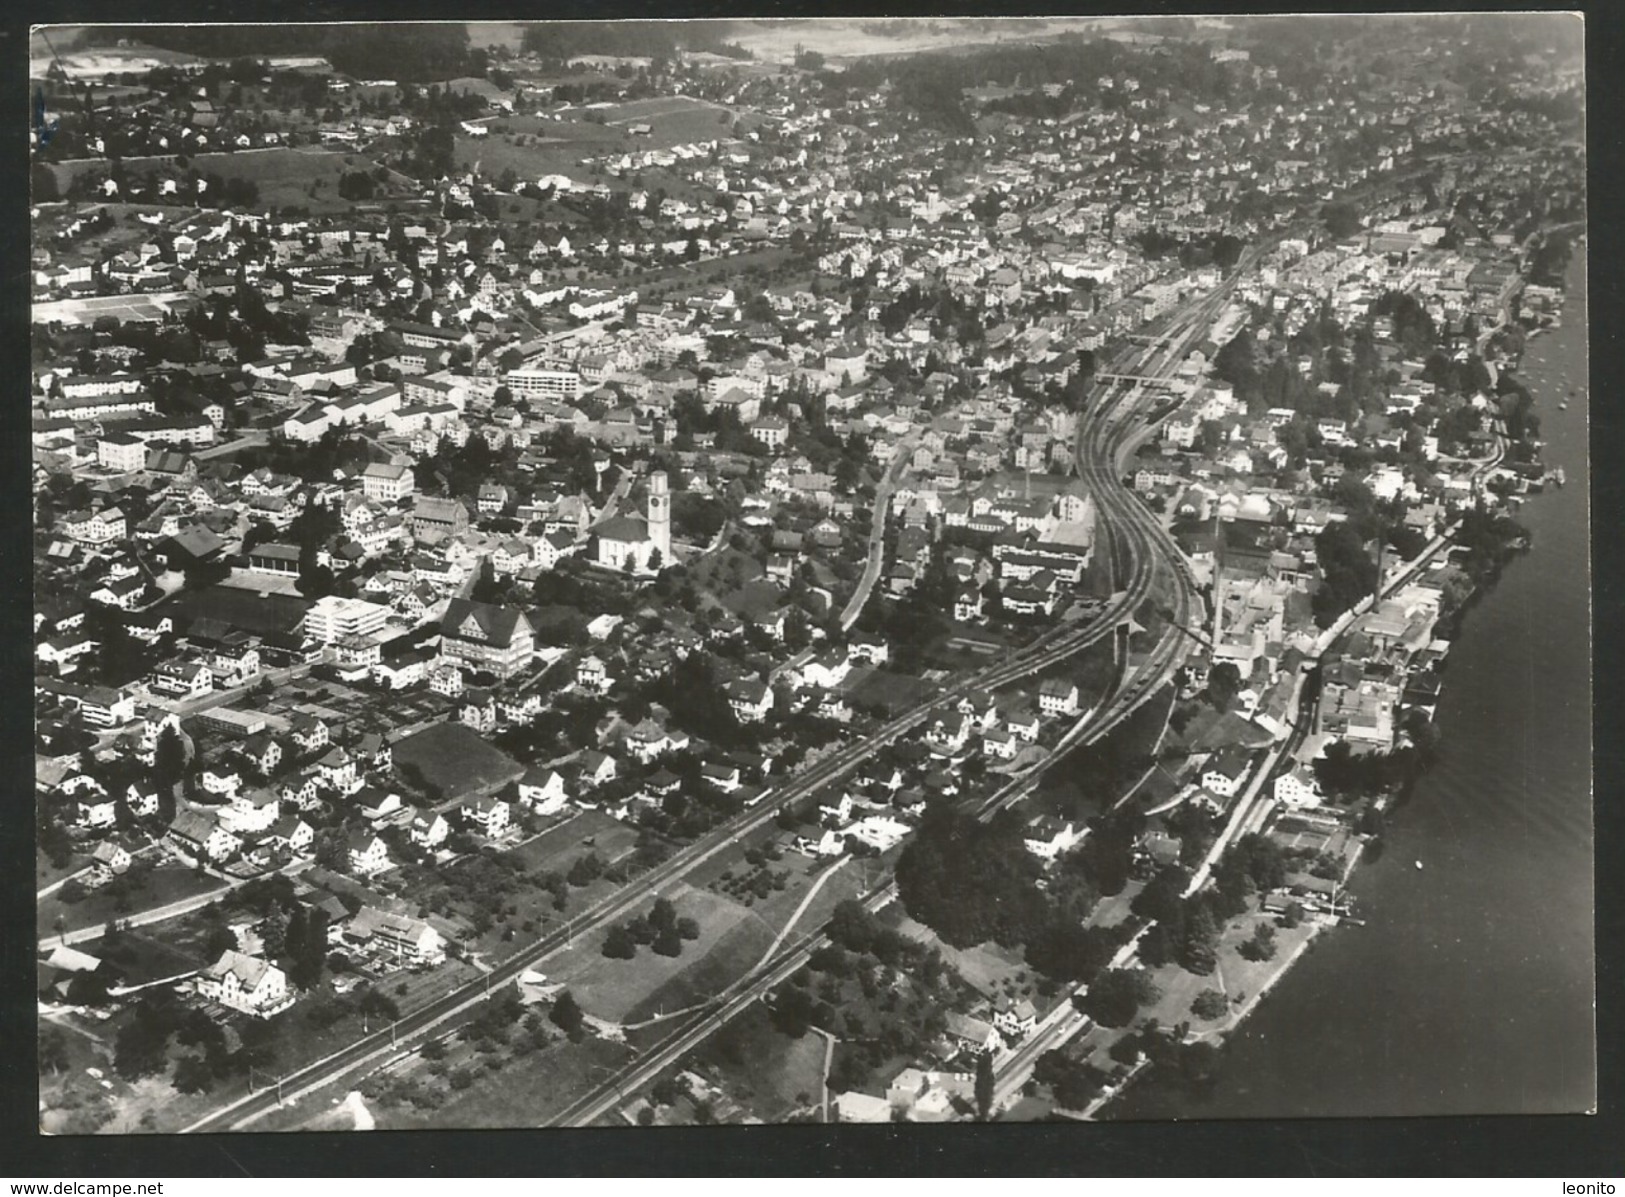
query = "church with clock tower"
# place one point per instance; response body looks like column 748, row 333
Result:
column 631, row 543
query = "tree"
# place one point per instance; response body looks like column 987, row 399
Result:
column 307, row 949
column 168, row 767
column 792, row 1011
column 1115, row 997
column 1199, row 952
column 274, row 932
column 1223, row 684
column 139, row 1048
column 193, row 1074
column 1210, row 1004
column 53, row 1050
column 332, row 850
column 667, row 942
column 667, row 1090
column 619, row 945
column 1347, row 572
column 1262, row 945
column 984, row 1085
column 585, row 870
column 1342, row 219
column 378, row 1004
column 221, row 939
column 566, row 1015
column 971, row 882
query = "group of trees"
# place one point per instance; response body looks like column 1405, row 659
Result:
column 1344, row 774
column 557, row 42
column 971, row 882
column 1073, row 1083
column 142, row 1046
column 661, row 929
column 404, row 51
column 1185, row 930
column 880, row 993
column 1348, row 573
column 1114, row 997
column 692, row 692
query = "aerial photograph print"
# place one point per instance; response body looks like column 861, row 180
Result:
column 746, row 571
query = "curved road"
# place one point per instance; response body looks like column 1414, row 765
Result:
column 877, row 532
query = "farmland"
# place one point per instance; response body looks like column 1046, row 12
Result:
column 306, row 177
column 533, row 146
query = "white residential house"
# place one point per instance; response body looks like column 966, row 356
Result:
column 429, row 830
column 1298, row 789
column 543, row 791
column 750, row 699
column 246, row 983
column 1223, row 774
column 488, row 815
column 368, row 855
column 1047, row 839
column 1058, row 696
column 1014, row 1020
column 251, row 811
column 999, row 744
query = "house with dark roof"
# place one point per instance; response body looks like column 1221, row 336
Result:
column 242, row 982
column 482, row 636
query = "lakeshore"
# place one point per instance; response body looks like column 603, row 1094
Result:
column 1491, row 982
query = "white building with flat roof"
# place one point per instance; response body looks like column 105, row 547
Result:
column 333, row 618
column 548, row 384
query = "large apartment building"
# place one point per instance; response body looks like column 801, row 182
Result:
column 479, row 636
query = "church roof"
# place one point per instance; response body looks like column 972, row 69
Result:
column 630, row 529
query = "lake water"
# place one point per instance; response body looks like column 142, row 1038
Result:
column 1471, row 991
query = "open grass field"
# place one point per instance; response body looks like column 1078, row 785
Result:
column 558, row 847
column 98, row 62
column 285, row 176
column 166, row 883
column 764, row 1070
column 881, row 688
column 71, row 1101
column 524, row 1093
column 686, row 278
column 455, row 761
column 857, row 37
column 1239, row 979
column 678, row 120
column 629, row 991
column 754, row 599
column 546, row 155
column 141, row 959
column 45, row 873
